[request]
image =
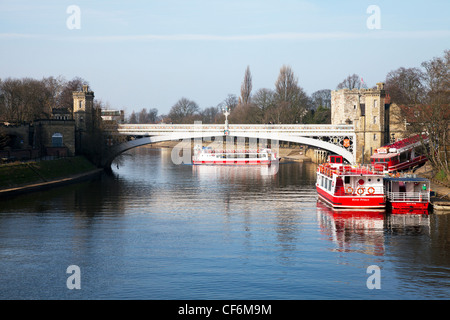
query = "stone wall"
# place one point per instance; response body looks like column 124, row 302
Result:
column 20, row 134
column 45, row 129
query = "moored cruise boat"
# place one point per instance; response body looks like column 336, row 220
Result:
column 407, row 194
column 208, row 155
column 402, row 155
column 345, row 186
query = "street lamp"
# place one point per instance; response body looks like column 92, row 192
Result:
column 226, row 113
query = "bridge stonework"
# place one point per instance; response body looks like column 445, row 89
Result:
column 338, row 139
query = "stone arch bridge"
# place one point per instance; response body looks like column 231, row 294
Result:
column 337, row 139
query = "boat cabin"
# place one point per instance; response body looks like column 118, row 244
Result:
column 408, row 193
column 335, row 160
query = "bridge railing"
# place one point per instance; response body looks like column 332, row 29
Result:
column 158, row 129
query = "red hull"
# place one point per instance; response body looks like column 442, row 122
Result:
column 409, row 207
column 358, row 202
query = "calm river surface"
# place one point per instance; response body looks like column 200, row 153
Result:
column 156, row 230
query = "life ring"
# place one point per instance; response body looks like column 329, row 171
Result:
column 371, row 190
column 349, row 190
column 360, row 191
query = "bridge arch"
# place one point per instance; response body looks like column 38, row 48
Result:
column 120, row 148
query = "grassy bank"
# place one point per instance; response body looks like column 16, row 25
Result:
column 19, row 174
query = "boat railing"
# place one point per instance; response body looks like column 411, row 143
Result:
column 349, row 170
column 213, row 151
column 360, row 190
column 408, row 196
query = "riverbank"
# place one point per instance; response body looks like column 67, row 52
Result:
column 441, row 201
column 24, row 177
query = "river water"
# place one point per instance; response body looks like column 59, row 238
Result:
column 157, row 230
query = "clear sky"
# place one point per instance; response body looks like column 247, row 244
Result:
column 138, row 54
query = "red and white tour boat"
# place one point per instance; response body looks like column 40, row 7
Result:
column 208, row 155
column 402, row 155
column 345, row 186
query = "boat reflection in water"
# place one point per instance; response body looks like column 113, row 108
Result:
column 365, row 231
column 353, row 230
column 417, row 223
column 230, row 172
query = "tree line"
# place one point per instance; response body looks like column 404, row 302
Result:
column 287, row 102
column 25, row 100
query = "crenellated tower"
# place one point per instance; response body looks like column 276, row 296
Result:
column 83, row 108
column 83, row 114
column 366, row 110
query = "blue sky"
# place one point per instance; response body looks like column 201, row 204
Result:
column 138, row 54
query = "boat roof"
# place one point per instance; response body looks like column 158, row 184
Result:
column 383, row 155
column 406, row 179
column 408, row 141
column 400, row 146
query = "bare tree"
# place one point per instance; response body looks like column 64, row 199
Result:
column 246, row 113
column 424, row 100
column 351, row 82
column 133, row 118
column 264, row 99
column 286, row 86
column 183, row 111
column 292, row 102
column 321, row 98
column 405, row 85
column 231, row 101
column 146, row 117
column 246, row 87
column 210, row 115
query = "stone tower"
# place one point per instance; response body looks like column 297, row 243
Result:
column 366, row 110
column 83, row 114
column 83, row 108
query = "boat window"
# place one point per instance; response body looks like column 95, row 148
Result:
column 403, row 156
column 347, row 179
column 420, row 150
